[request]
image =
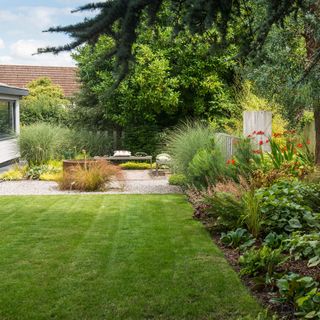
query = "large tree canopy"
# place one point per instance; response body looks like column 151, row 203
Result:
column 121, row 20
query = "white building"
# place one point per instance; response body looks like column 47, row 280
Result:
column 9, row 122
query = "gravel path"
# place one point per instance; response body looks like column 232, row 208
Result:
column 135, row 182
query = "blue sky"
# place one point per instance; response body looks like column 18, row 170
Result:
column 22, row 23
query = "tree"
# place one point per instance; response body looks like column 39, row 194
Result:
column 171, row 80
column 45, row 103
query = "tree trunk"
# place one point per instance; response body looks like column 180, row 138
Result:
column 317, row 129
column 312, row 46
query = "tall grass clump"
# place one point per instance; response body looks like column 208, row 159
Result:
column 186, row 141
column 93, row 176
column 95, row 143
column 41, row 142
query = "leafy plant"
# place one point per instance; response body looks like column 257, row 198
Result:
column 178, row 180
column 302, row 292
column 16, row 173
column 224, row 211
column 239, row 238
column 186, row 141
column 262, row 261
column 274, row 240
column 252, row 215
column 135, row 165
column 305, row 246
column 285, row 209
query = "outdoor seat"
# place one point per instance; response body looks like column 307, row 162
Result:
column 162, row 159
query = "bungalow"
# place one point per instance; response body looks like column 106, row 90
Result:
column 9, row 122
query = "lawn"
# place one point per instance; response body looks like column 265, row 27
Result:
column 112, row 257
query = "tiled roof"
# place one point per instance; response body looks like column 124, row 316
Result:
column 20, row 76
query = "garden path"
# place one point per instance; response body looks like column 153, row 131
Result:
column 134, row 182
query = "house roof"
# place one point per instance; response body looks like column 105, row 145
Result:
column 12, row 91
column 20, row 76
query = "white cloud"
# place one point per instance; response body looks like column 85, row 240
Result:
column 1, row 44
column 21, row 52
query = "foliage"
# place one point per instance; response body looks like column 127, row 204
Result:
column 262, row 261
column 50, row 171
column 178, row 180
column 265, row 315
column 91, row 177
column 252, row 215
column 186, row 141
column 41, row 142
column 131, row 165
column 302, row 292
column 45, row 103
column 274, row 240
column 239, row 238
column 284, row 208
column 305, row 246
column 207, row 168
column 224, row 211
column 15, row 173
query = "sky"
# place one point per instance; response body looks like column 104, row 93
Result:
column 21, row 26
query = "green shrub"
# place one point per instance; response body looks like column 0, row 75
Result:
column 302, row 292
column 178, row 180
column 131, row 165
column 239, row 238
column 262, row 261
column 284, row 208
column 42, row 142
column 94, row 143
column 274, row 240
column 224, row 211
column 305, row 246
column 207, row 167
column 186, row 141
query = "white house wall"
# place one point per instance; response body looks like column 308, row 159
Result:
column 9, row 150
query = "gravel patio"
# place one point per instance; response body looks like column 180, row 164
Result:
column 134, row 182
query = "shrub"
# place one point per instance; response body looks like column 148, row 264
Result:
column 16, row 173
column 185, row 142
column 93, row 177
column 305, row 246
column 94, row 143
column 302, row 292
column 273, row 240
column 224, row 211
column 178, row 180
column 262, row 261
column 284, row 208
column 252, row 216
column 42, row 142
column 207, row 167
column 237, row 238
column 130, row 165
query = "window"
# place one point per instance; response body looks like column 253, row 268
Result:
column 7, row 119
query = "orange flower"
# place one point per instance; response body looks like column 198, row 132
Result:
column 299, row 145
column 233, row 161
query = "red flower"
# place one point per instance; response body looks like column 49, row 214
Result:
column 260, row 142
column 260, row 132
column 228, row 161
column 233, row 161
column 299, row 145
column 257, row 151
column 267, row 141
column 254, row 132
column 249, row 136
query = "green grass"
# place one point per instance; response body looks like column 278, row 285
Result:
column 112, row 257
